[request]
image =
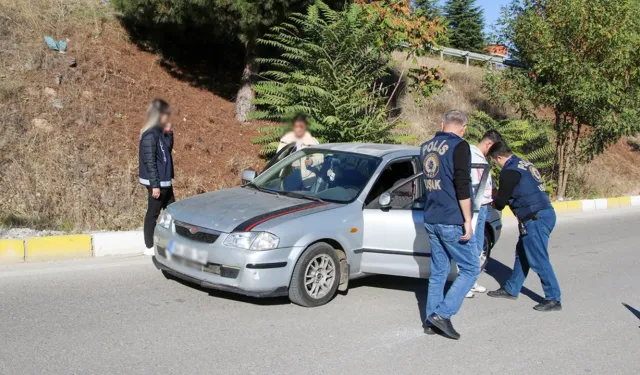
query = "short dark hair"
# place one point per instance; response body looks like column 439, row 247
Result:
column 455, row 116
column 493, row 136
column 299, row 117
column 500, row 149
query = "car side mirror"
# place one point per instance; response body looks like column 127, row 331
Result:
column 385, row 200
column 248, row 176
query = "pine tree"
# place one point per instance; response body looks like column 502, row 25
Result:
column 429, row 8
column 465, row 23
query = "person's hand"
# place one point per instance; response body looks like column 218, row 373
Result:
column 155, row 193
column 467, row 232
column 308, row 162
column 168, row 127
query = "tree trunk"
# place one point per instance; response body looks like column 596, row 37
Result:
column 246, row 94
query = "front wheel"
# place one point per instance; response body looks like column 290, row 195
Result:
column 316, row 276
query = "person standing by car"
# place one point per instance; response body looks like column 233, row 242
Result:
column 522, row 188
column 479, row 156
column 302, row 139
column 299, row 135
column 446, row 161
column 156, row 165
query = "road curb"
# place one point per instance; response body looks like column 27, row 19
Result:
column 101, row 244
column 586, row 205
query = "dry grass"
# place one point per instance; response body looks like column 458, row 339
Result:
column 75, row 167
column 463, row 91
column 612, row 174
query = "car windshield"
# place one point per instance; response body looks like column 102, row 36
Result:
column 319, row 175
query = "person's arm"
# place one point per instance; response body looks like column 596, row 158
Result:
column 149, row 159
column 462, row 185
column 509, row 179
column 168, row 138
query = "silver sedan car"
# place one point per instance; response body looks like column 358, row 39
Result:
column 313, row 220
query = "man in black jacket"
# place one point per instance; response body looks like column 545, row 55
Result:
column 156, row 166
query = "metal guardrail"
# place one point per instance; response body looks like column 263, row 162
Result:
column 468, row 55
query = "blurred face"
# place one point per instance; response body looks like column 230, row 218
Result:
column 164, row 119
column 299, row 128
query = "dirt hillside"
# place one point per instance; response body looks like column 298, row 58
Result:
column 69, row 135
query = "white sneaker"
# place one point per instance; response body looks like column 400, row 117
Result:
column 478, row 288
column 149, row 252
column 469, row 295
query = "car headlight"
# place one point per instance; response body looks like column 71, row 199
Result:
column 252, row 240
column 165, row 220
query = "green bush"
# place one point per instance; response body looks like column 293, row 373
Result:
column 528, row 140
column 332, row 67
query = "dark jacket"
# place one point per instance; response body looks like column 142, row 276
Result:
column 155, row 159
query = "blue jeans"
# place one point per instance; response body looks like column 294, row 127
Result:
column 532, row 252
column 446, row 245
column 478, row 235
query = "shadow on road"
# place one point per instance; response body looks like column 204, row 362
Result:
column 234, row 297
column 417, row 286
column 633, row 311
column 501, row 274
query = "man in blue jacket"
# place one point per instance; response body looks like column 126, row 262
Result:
column 446, row 161
column 522, row 188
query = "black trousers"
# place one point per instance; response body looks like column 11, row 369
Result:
column 153, row 211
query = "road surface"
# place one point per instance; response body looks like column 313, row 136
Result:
column 121, row 316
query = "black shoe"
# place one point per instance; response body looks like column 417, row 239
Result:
column 548, row 305
column 430, row 330
column 444, row 325
column 501, row 293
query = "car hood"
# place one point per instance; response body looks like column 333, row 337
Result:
column 241, row 209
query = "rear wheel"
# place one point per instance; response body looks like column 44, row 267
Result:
column 316, row 276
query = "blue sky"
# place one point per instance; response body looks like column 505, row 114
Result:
column 491, row 10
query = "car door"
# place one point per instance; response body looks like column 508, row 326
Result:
column 283, row 153
column 394, row 239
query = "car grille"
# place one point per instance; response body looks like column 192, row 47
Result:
column 201, row 234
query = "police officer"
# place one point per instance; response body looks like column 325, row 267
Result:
column 521, row 187
column 446, row 160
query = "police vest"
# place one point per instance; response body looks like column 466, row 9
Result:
column 529, row 196
column 442, row 205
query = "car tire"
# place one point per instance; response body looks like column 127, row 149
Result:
column 486, row 248
column 316, row 276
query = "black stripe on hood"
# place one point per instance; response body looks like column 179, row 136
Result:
column 257, row 220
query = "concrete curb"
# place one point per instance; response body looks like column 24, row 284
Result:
column 587, row 205
column 101, row 244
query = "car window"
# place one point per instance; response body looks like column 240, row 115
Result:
column 392, row 174
column 404, row 195
column 324, row 174
column 286, row 151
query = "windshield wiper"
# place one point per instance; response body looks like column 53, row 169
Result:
column 302, row 196
column 262, row 190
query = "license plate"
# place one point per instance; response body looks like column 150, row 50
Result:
column 189, row 253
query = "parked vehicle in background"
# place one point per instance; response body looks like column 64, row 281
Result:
column 312, row 221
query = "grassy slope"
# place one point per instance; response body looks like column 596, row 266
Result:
column 615, row 173
column 75, row 168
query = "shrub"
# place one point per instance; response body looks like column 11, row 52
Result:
column 332, row 67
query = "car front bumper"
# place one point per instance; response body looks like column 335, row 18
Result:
column 247, row 272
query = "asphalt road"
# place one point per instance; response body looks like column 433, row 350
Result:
column 120, row 315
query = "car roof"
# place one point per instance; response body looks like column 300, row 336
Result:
column 370, row 149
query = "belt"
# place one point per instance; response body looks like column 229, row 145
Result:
column 531, row 217
column 486, row 204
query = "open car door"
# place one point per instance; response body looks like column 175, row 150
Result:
column 395, row 241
